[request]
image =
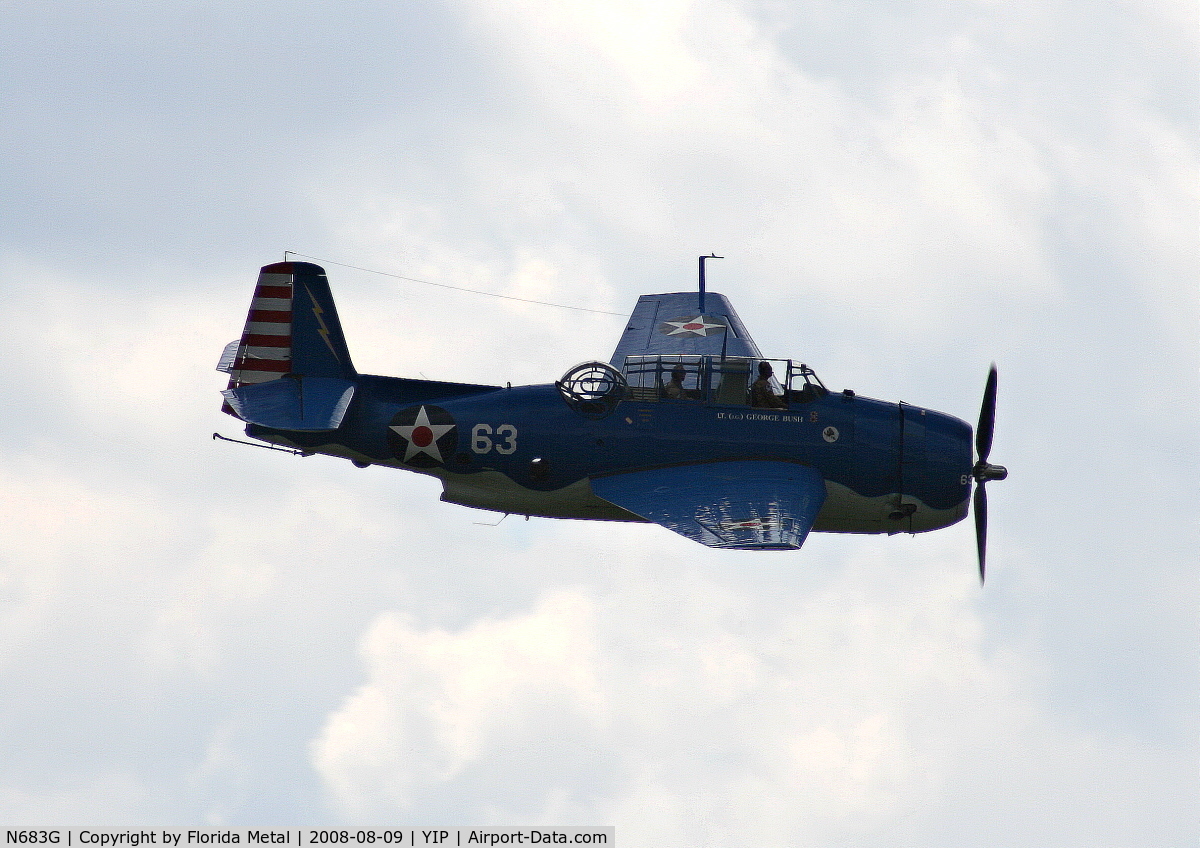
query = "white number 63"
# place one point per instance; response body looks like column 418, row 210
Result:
column 481, row 438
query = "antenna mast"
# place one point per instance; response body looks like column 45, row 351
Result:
column 702, row 258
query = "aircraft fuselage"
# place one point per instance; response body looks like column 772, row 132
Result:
column 888, row 467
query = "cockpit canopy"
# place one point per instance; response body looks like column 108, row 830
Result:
column 720, row 380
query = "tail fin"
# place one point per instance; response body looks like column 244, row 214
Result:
column 292, row 330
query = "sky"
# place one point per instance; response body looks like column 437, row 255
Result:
column 199, row 633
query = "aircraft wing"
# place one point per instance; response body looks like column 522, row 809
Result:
column 744, row 504
column 675, row 324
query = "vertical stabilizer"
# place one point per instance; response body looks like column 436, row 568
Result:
column 292, row 330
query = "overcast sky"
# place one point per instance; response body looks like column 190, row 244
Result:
column 193, row 632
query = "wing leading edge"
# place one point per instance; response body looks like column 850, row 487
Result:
column 744, row 504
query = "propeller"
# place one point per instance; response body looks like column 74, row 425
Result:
column 983, row 471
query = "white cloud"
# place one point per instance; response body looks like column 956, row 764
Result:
column 910, row 204
column 685, row 708
column 438, row 702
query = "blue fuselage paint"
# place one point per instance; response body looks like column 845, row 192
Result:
column 888, row 467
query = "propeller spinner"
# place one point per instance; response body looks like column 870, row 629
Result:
column 983, row 471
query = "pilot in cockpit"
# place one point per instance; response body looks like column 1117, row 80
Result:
column 761, row 393
column 674, row 388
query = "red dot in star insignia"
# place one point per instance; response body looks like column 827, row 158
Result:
column 693, row 326
column 422, row 436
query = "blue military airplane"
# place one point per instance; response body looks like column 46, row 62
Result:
column 688, row 425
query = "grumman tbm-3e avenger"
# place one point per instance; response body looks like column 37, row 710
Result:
column 688, row 425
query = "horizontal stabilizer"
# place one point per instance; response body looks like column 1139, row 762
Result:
column 744, row 504
column 293, row 403
column 229, row 356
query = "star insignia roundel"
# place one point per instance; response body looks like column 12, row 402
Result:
column 422, row 436
column 693, row 325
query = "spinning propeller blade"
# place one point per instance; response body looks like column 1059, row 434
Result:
column 981, row 528
column 987, row 418
column 982, row 472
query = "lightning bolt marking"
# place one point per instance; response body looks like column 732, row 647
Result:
column 317, row 313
